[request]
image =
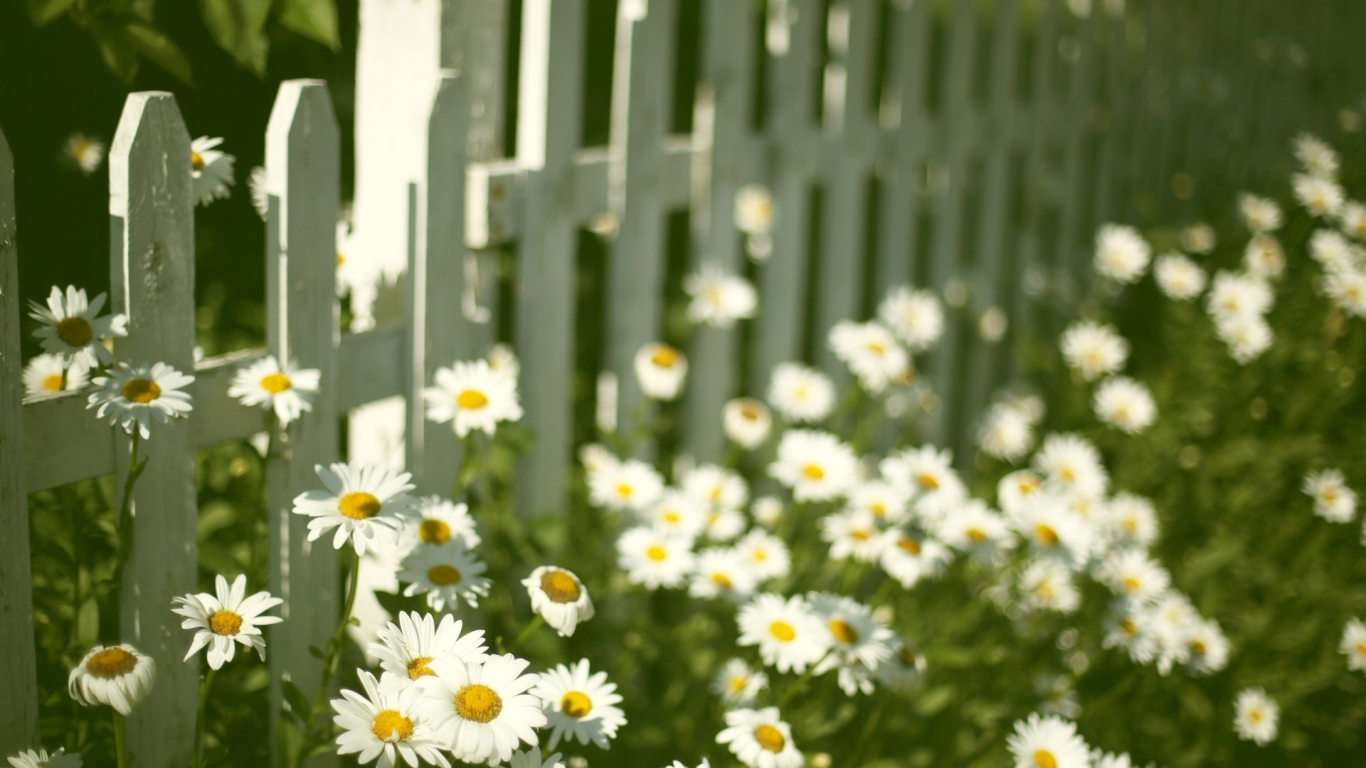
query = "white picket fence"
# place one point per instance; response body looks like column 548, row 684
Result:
column 1010, row 165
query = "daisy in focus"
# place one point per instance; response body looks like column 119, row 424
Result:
column 871, row 353
column 653, row 559
column 135, row 396
column 286, row 390
column 221, row 621
column 1093, row 350
column 1257, row 717
column 384, row 724
column 815, row 465
column 1121, row 253
column 117, row 676
column 84, row 152
column 471, row 395
column 441, row 520
column 719, row 299
column 211, row 170
column 482, row 712
column 559, row 597
column 1125, row 404
column 789, row 635
column 916, row 317
column 1047, row 742
column 737, row 684
column 1333, row 500
column 407, row 648
column 447, row 574
column 1179, row 277
column 800, row 394
column 580, row 706
column 70, row 326
column 44, row 375
column 746, row 422
column 39, row 758
column 368, row 505
column 759, row 739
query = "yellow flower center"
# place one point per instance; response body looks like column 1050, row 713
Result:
column 560, row 587
column 722, row 580
column 750, row 411
column 53, row 382
column 907, row 656
column 1130, row 525
column 576, row 704
column 908, row 545
column 813, row 472
column 1130, row 584
column 1198, row 647
column 877, row 348
column 433, row 531
column 1330, row 495
column 664, row 357
column 1255, row 716
column 141, row 390
column 471, row 400
column 878, row 509
column 417, row 667
column 1045, row 535
column 276, row 383
column 624, row 490
column 196, row 160
column 478, row 702
column 759, row 554
column 656, row 553
column 860, row 534
column 671, row 517
column 976, row 535
column 1045, row 759
column 769, row 738
column 389, row 724
column 341, row 258
column 843, row 632
column 111, row 663
column 75, row 331
column 1361, row 649
column 225, row 623
column 1129, row 627
column 443, row 575
column 928, row 481
column 782, row 631
column 737, row 684
column 358, row 505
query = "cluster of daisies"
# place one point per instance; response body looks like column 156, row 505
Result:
column 211, row 169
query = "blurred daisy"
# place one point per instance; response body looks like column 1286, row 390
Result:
column 531, row 758
column 1047, row 742
column 801, row 394
column 871, row 353
column 888, row 503
column 1015, row 488
column 916, row 317
column 992, row 324
column 754, row 210
column 559, row 597
column 1316, row 156
column 1047, row 585
column 287, row 390
column 923, row 471
column 1352, row 217
column 1054, row 532
column 595, row 458
column 737, row 684
column 483, row 711
column 1334, row 251
column 1126, row 404
column 653, row 559
column 1259, row 213
column 1257, row 717
column 1237, row 294
column 43, row 375
column 759, row 739
column 766, row 555
column 1170, row 622
column 717, row 487
column 1005, row 434
column 1208, row 648
column 1100, row 759
column 1129, row 627
column 789, row 635
column 384, row 724
column 1121, row 253
column 1353, row 644
column 260, row 194
column 220, row 621
column 502, row 359
column 852, row 533
column 39, row 758
column 767, row 510
column 631, row 484
column 441, row 520
column 678, row 514
column 904, row 670
column 719, row 299
column 367, row 504
column 975, row 528
column 471, row 395
column 1178, row 277
column 1264, row 257
column 406, row 649
column 117, row 676
column 858, row 641
column 1093, row 350
column 447, row 574
column 135, row 395
column 1347, row 289
column 1134, row 575
column 908, row 557
column 210, row 169
column 1247, row 337
column 747, row 422
column 70, row 326
column 1072, row 464
column 1198, row 238
column 1320, row 196
column 84, row 152
column 815, row 465
column 722, row 571
column 724, row 524
column 579, row 706
column 1333, row 500
column 660, row 369
column 1133, row 520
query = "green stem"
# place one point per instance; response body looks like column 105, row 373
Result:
column 332, row 655
column 125, row 519
column 120, row 743
column 66, row 367
column 526, row 632
column 800, row 684
column 205, row 685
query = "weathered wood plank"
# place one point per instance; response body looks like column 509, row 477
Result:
column 903, row 110
column 151, row 207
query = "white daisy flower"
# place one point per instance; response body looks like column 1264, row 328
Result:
column 923, row 472
column 1047, row 742
column 71, row 326
column 43, row 375
column 287, row 390
column 1130, row 627
column 992, row 324
column 1171, row 622
column 502, row 359
column 1264, row 257
column 677, row 514
column 211, row 170
column 1179, row 277
column 531, row 758
column 789, row 635
column 1015, row 488
column 724, row 525
column 482, row 711
column 1121, row 253
column 39, row 758
column 660, row 370
column 1046, row 585
column 1347, row 289
column 471, row 395
column 1072, row 464
column 408, row 648
column 722, row 571
column 367, row 504
column 852, row 533
column 559, row 597
column 260, row 194
column 1320, row 196
column 1005, row 433
column 737, row 684
column 440, row 520
column 815, row 465
column 1352, row 217
column 1100, row 759
column 1132, row 520
column 767, row 510
column 908, row 557
column 871, row 352
column 653, row 559
column 976, row 529
column 1333, row 500
column 858, row 642
column 1247, row 337
column 754, row 210
column 1333, row 251
column 447, row 574
column 801, row 394
column 1134, row 575
column 117, row 676
column 230, row 617
column 888, row 503
column 84, row 152
column 759, row 739
column 596, row 457
column 1353, row 644
column 1208, row 648
column 1125, row 404
column 1054, row 532
column 1316, row 156
column 1093, row 350
column 766, row 555
column 916, row 317
column 747, row 422
column 904, row 670
column 1238, row 294
column 716, row 486
column 385, row 724
column 1259, row 213
column 718, row 298
column 1257, row 717
column 579, row 706
column 1198, row 238
column 135, row 395
column 631, row 484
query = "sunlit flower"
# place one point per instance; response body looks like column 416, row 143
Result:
column 1316, row 156
column 1347, row 289
column 815, row 465
column 1072, row 464
column 39, row 758
column 801, row 394
column 482, row 711
column 43, row 375
column 1247, row 337
column 1237, row 294
column 441, row 520
column 1257, row 717
column 724, row 524
column 766, row 554
column 1005, row 433
column 1054, row 532
column 909, row 557
column 1208, row 648
column 406, row 649
column 596, row 457
column 737, row 684
column 754, row 210
column 1264, row 257
column 631, row 484
column 1130, row 628
column 916, row 317
column 716, row 486
column 287, row 390
column 1334, row 251
column 767, row 510
column 1093, row 350
column 722, row 571
column 367, row 504
column 1136, row 576
column 678, row 514
column 1333, row 500
column 1124, row 403
column 211, row 170
column 660, row 369
column 559, row 597
column 385, row 724
column 471, row 395
column 653, row 559
column 1198, row 238
column 852, row 533
column 858, row 642
column 1132, row 520
column 223, row 620
column 789, row 635
column 1353, row 644
column 84, row 152
column 117, row 676
column 1015, row 488
column 747, row 422
column 1121, row 253
column 887, row 502
column 923, row 472
column 759, row 739
column 70, row 326
column 1046, row 584
column 1320, row 196
column 447, row 574
column 1178, row 277
column 579, row 706
column 1259, row 213
column 718, row 298
column 871, row 352
column 1047, row 742
column 976, row 529
column 136, row 395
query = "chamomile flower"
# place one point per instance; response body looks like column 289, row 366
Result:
column 909, row 557
column 815, row 465
column 789, row 635
column 766, row 555
column 916, row 317
column 718, row 298
column 1170, row 622
column 1347, row 289
column 1198, row 238
column 1259, row 213
column 716, row 486
column 1121, row 253
column 1316, row 156
column 1016, row 488
column 259, row 190
column 367, row 504
column 1352, row 218
column 1129, row 627
column 1100, row 759
column 1132, row 520
column 759, row 739
column 440, row 520
column 653, row 559
column 924, row 471
column 801, row 394
column 1208, row 648
column 1047, row 742
column 447, row 574
column 579, row 706
column 1047, row 585
column 1247, row 337
column 746, row 422
column 737, row 684
column 852, row 533
column 660, row 370
column 1005, row 434
column 1320, row 196
column 1179, row 277
column 631, row 484
column 211, row 170
column 84, row 152
column 471, row 395
column 1236, row 294
column 70, row 326
column 1093, row 350
column 43, row 375
column 559, row 597
column 1125, row 404
column 858, row 641
column 221, row 621
column 1134, row 575
column 767, row 510
column 976, row 529
column 482, row 711
column 722, row 571
column 754, row 210
column 1054, row 532
column 117, row 676
column 1333, row 500
column 285, row 389
column 677, row 514
column 39, row 758
column 1072, row 464
column 1353, row 644
column 904, row 670
column 871, row 352
column 724, row 524
column 1257, row 718
column 1264, row 257
column 888, row 503
column 406, row 649
column 595, row 458
column 1334, row 251
column 133, row 396
column 384, row 724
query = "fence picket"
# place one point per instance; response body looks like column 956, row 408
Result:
column 151, row 206
column 903, row 112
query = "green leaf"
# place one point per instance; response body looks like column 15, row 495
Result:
column 88, row 623
column 42, row 12
column 314, row 19
column 150, row 42
column 316, row 652
column 297, row 701
column 237, row 26
column 117, row 50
